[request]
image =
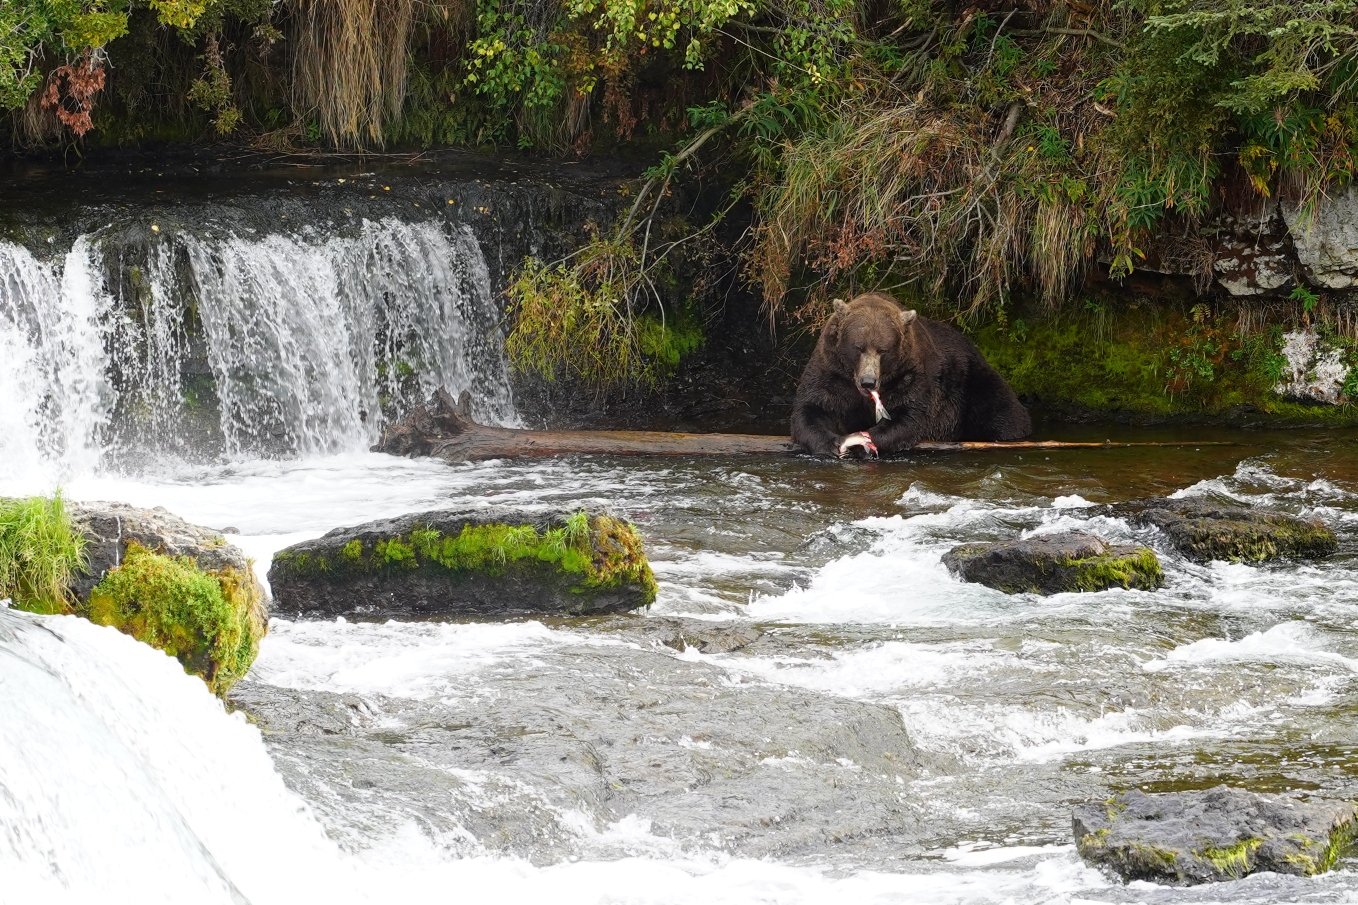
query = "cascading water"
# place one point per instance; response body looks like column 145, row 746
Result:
column 54, row 396
column 236, row 346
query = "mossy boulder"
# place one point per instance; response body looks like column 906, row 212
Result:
column 1055, row 564
column 1185, row 838
column 1204, row 530
column 176, row 586
column 482, row 562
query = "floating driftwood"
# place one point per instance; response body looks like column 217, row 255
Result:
column 444, row 429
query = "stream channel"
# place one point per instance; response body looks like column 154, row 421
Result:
column 849, row 723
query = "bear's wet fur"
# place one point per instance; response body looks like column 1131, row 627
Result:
column 933, row 381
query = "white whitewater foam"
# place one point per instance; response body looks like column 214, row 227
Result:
column 400, row 659
column 1295, row 642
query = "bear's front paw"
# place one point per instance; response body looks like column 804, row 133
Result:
column 861, row 439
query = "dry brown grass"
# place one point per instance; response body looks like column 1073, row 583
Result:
column 349, row 66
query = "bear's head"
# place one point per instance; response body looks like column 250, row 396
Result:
column 872, row 337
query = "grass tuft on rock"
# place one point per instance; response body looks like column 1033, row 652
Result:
column 39, row 553
column 209, row 621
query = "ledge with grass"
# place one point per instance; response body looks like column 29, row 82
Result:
column 480, row 562
column 176, row 586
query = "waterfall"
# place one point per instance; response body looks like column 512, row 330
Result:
column 125, row 780
column 228, row 345
column 53, row 389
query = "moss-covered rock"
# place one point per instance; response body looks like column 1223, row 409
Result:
column 1056, row 563
column 1204, row 530
column 1183, row 838
column 490, row 562
column 211, row 621
column 176, row 586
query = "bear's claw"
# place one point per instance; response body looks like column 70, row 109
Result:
column 863, row 439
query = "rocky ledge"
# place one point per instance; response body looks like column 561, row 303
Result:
column 482, row 562
column 1056, row 563
column 1204, row 530
column 1184, row 838
column 174, row 585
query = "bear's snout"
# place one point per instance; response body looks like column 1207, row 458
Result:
column 869, row 371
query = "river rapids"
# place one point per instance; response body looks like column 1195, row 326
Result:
column 887, row 735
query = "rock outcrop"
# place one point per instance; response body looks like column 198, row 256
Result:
column 1056, row 563
column 1326, row 239
column 1184, row 838
column 482, row 562
column 1204, row 530
column 174, row 585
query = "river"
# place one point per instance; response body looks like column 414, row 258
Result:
column 887, row 735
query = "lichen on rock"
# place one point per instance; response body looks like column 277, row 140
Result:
column 1056, row 563
column 479, row 562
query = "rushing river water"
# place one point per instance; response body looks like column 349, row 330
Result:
column 889, row 734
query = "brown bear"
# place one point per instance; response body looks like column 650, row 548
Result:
column 930, row 381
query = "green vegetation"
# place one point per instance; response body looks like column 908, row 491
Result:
column 981, row 161
column 1153, row 360
column 598, row 552
column 39, row 554
column 1233, row 860
column 209, row 621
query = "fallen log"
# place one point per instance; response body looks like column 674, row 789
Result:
column 444, row 429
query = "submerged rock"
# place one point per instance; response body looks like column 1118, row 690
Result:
column 1184, row 838
column 1056, row 563
column 1204, row 530
column 176, row 586
column 484, row 562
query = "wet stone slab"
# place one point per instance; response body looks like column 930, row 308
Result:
column 1186, row 838
column 1206, row 530
column 541, row 760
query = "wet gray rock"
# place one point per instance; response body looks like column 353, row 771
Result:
column 1056, row 563
column 704, row 637
column 109, row 527
column 491, row 561
column 1185, row 838
column 1205, row 530
column 542, row 757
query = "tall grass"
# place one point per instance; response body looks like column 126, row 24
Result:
column 350, row 66
column 39, row 553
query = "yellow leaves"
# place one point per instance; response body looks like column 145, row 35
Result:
column 179, row 13
column 94, row 29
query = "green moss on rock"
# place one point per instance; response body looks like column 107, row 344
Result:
column 210, row 621
column 1055, row 564
column 444, row 563
column 1134, row 569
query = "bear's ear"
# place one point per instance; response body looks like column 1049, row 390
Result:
column 907, row 318
column 841, row 306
